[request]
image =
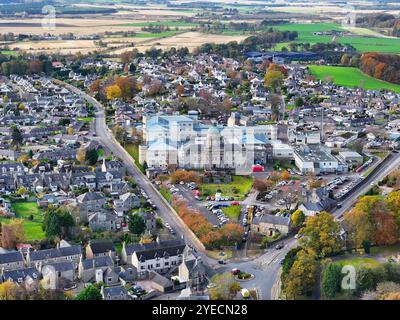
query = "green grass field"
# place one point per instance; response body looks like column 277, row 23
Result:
column 9, row 52
column 166, row 194
column 158, row 34
column 351, row 77
column 239, row 186
column 33, row 228
column 361, row 43
column 232, row 212
column 133, row 150
column 85, row 119
column 356, row 262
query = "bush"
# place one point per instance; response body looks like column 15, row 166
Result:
column 331, row 280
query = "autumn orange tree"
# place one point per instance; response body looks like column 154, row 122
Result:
column 185, row 176
column 322, row 234
column 113, row 92
column 373, row 220
column 12, row 233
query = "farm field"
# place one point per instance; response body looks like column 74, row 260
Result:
column 33, row 228
column 191, row 40
column 170, row 24
column 361, row 43
column 351, row 77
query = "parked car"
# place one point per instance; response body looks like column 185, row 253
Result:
column 235, row 271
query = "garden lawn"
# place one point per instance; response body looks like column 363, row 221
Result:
column 361, row 43
column 85, row 119
column 133, row 150
column 368, row 262
column 33, row 228
column 351, row 77
column 232, row 212
column 239, row 186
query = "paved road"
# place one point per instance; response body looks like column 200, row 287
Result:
column 372, row 179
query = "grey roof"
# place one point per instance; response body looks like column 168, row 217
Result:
column 90, row 196
column 71, row 250
column 156, row 249
column 269, row 218
column 98, row 262
column 14, row 275
column 159, row 279
column 101, row 246
column 61, row 266
column 44, row 254
column 11, row 257
column 115, row 291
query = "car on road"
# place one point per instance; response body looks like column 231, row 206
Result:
column 235, row 203
column 221, row 261
column 235, row 271
column 279, row 246
column 298, row 236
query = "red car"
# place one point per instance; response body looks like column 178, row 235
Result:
column 235, row 203
column 235, row 271
column 258, row 168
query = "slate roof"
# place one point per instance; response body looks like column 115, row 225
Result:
column 116, row 291
column 62, row 266
column 269, row 218
column 98, row 262
column 101, row 246
column 14, row 275
column 11, row 257
column 156, row 249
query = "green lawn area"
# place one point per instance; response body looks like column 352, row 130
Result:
column 33, row 228
column 368, row 262
column 160, row 23
column 239, row 186
column 351, row 77
column 85, row 119
column 9, row 52
column 166, row 194
column 133, row 150
column 232, row 212
column 157, row 35
column 361, row 43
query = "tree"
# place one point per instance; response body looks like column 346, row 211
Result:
column 136, row 224
column 262, row 185
column 16, row 137
column 322, row 234
column 273, row 79
column 22, row 191
column 89, row 293
column 58, row 222
column 120, row 134
column 113, row 92
column 302, row 275
column 372, row 220
column 70, row 131
column 331, row 280
column 298, row 217
column 285, row 175
column 132, row 68
column 10, row 291
column 225, row 288
column 81, row 155
column 91, row 157
column 12, row 233
column 127, row 85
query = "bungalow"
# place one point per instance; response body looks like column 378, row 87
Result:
column 115, row 293
column 267, row 224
